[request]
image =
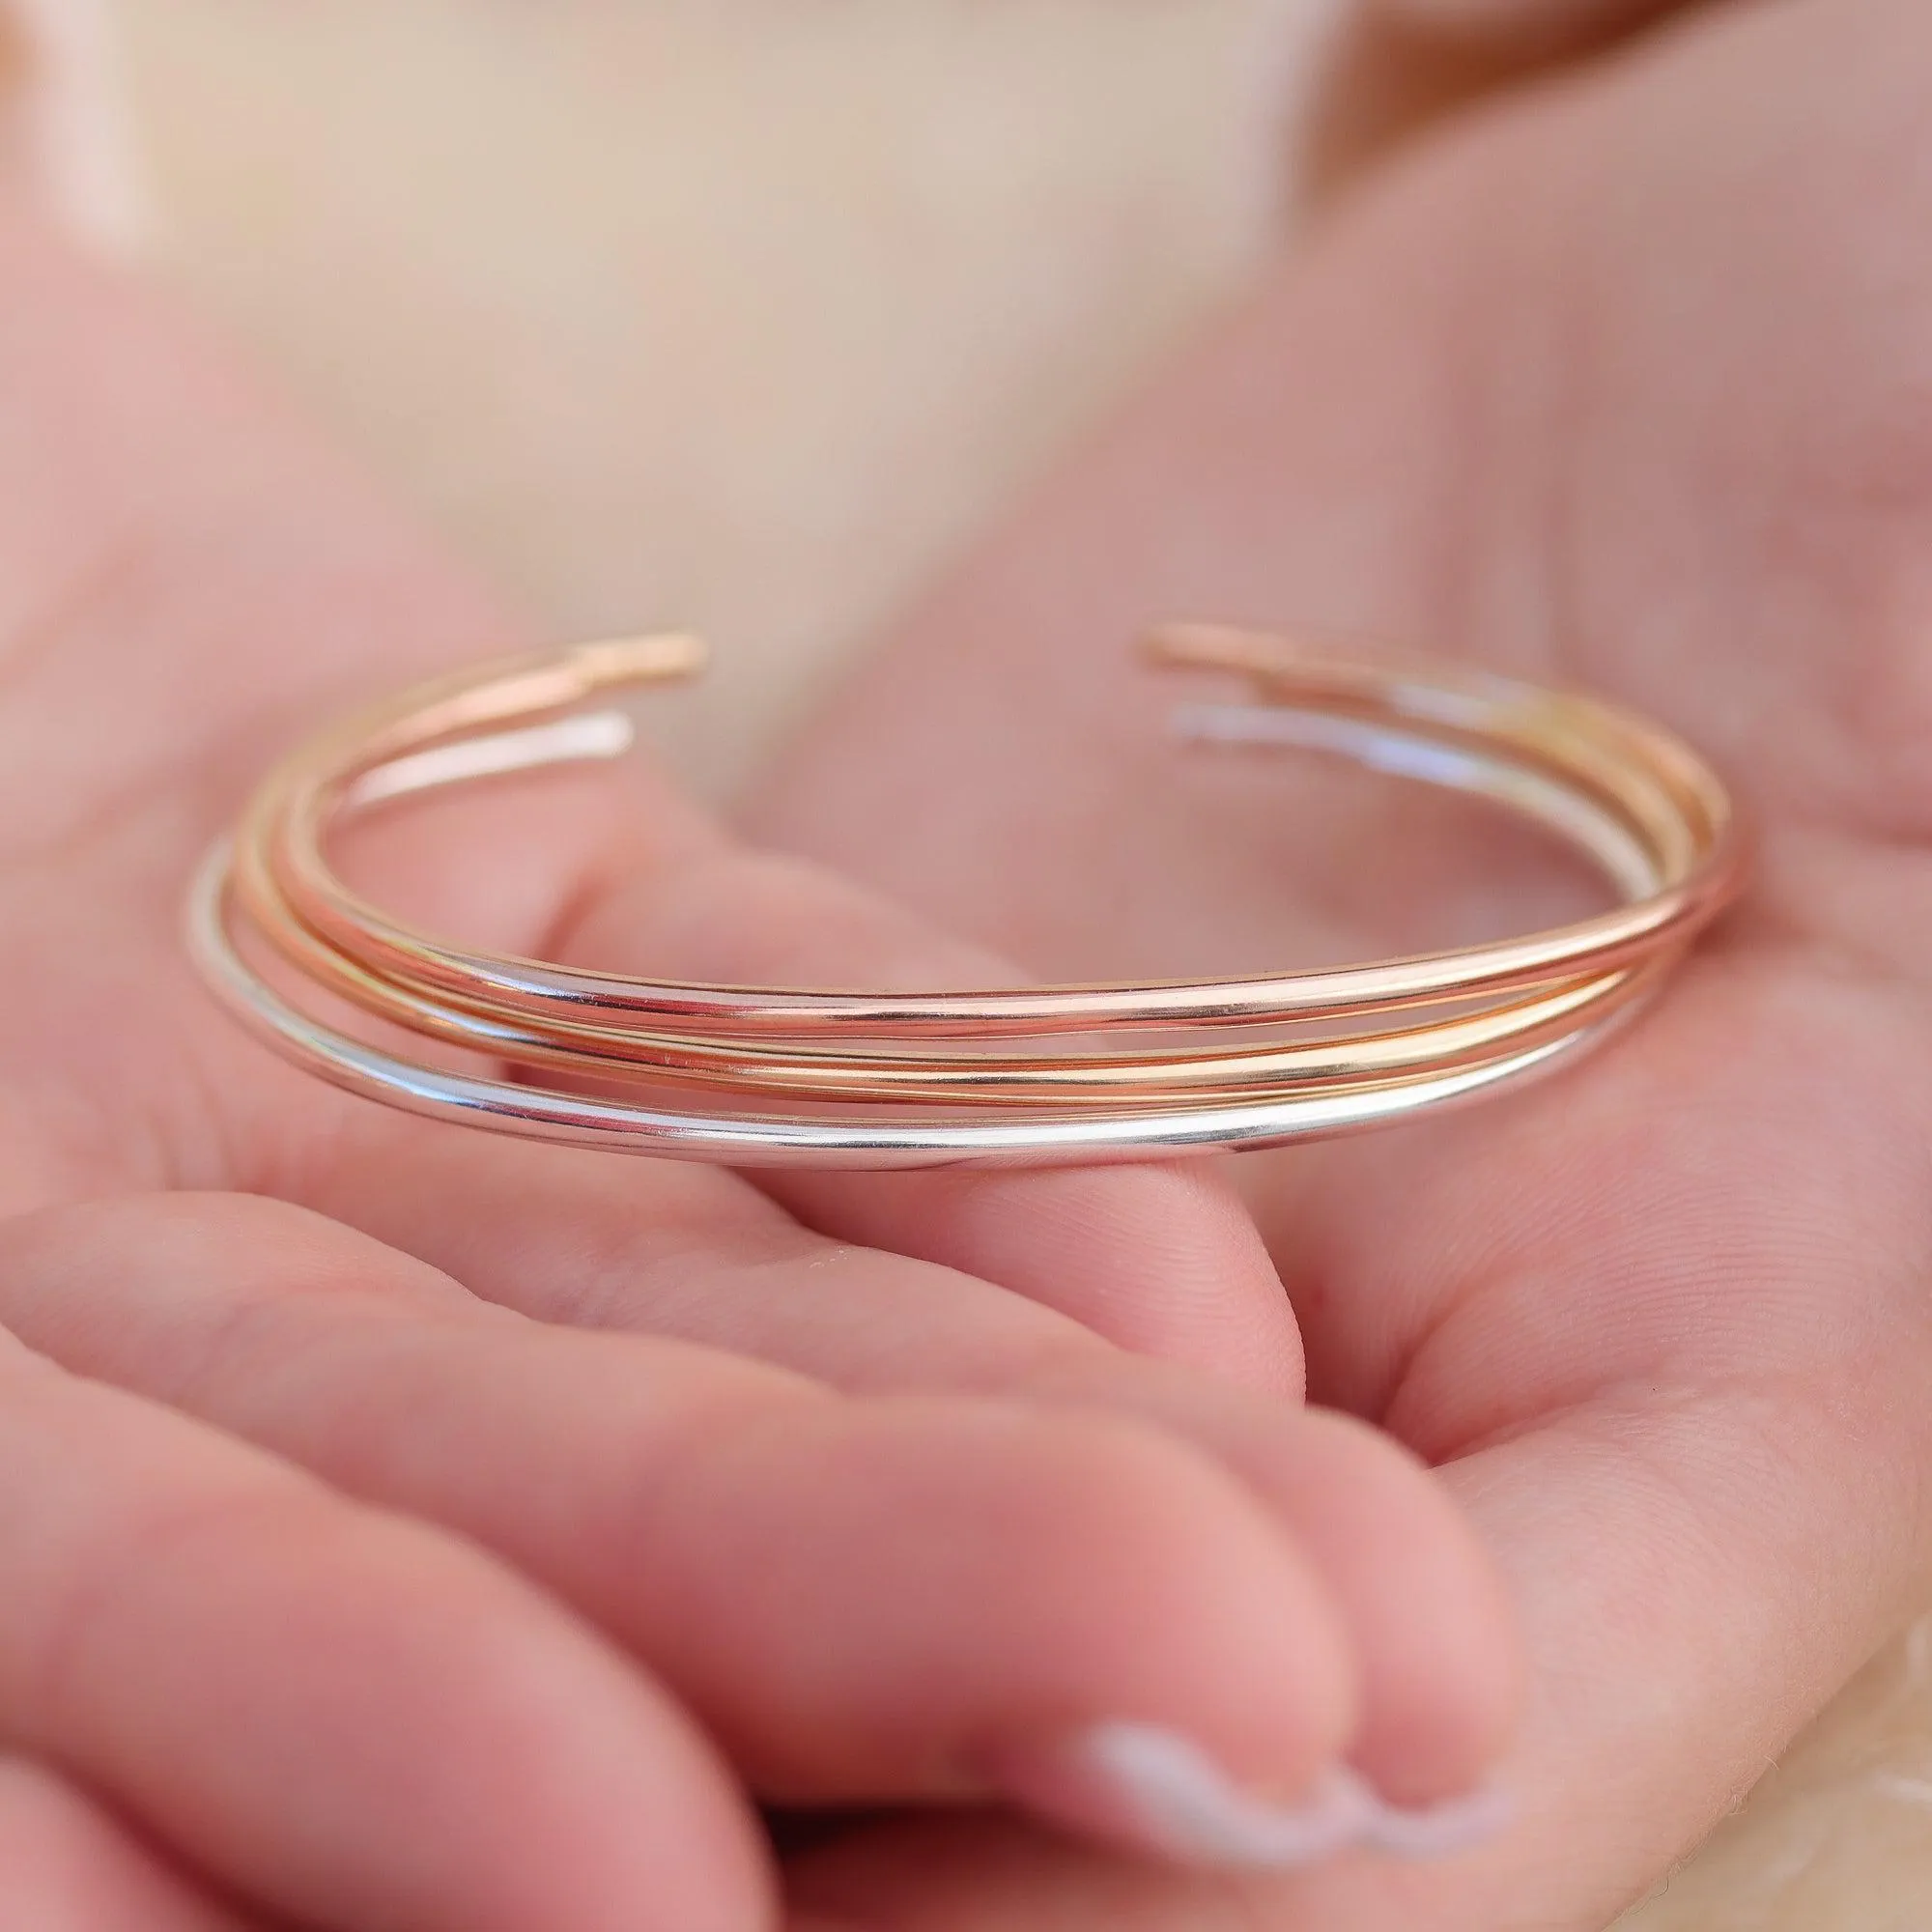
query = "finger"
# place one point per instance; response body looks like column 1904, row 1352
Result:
column 1439, row 1692
column 865, row 1600
column 1163, row 1259
column 1441, row 1666
column 351, row 1721
column 1653, row 1711
column 151, row 671
column 67, row 1865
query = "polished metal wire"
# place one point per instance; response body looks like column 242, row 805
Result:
column 1012, row 1076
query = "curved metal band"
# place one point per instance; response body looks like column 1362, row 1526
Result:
column 913, row 1079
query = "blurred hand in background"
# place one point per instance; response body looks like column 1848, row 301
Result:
column 1620, row 378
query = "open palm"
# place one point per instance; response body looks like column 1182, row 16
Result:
column 360, row 1569
column 1625, row 383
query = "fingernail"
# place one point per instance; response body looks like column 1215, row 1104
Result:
column 1156, row 1791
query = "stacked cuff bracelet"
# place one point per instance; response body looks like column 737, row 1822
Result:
column 766, row 1076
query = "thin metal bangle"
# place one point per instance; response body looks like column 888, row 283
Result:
column 902, row 1080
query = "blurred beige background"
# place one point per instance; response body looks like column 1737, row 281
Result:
column 710, row 312
column 742, row 314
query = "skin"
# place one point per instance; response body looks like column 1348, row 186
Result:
column 405, row 1527
column 1618, row 381
column 1660, row 1325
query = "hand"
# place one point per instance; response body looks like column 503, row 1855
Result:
column 912, row 1555
column 1622, row 382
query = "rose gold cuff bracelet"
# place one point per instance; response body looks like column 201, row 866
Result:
column 1028, row 1076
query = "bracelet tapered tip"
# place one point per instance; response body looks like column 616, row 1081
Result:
column 667, row 653
column 1199, row 646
